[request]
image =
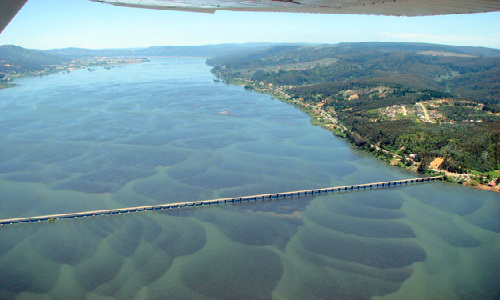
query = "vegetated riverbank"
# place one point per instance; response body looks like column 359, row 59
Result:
column 419, row 111
column 327, row 118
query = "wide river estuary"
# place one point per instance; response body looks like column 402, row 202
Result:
column 164, row 132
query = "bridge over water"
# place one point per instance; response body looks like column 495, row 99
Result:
column 178, row 205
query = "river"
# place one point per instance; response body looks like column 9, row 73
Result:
column 163, row 132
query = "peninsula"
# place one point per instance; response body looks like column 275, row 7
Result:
column 18, row 62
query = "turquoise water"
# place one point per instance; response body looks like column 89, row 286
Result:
column 163, row 132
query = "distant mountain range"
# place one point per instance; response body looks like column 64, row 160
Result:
column 16, row 60
column 226, row 49
column 177, row 51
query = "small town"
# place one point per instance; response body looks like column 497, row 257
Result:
column 428, row 111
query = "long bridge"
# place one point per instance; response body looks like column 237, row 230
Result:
column 263, row 197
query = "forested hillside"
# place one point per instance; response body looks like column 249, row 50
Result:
column 408, row 103
column 15, row 59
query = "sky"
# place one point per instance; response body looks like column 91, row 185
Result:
column 51, row 24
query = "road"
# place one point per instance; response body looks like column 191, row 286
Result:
column 427, row 118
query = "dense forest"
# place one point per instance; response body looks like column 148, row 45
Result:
column 458, row 87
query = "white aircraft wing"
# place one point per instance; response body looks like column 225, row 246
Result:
column 377, row 7
column 9, row 8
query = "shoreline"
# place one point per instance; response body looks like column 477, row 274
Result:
column 317, row 116
column 89, row 63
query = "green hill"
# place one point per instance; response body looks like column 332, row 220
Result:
column 471, row 72
column 16, row 60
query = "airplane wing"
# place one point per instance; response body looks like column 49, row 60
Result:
column 9, row 8
column 377, row 7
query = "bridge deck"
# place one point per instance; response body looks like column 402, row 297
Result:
column 93, row 213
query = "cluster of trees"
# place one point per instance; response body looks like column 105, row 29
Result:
column 464, row 146
column 461, row 113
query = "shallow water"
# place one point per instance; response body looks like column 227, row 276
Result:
column 160, row 132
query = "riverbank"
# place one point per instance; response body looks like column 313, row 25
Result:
column 327, row 118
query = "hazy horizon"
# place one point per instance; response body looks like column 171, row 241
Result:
column 243, row 43
column 55, row 24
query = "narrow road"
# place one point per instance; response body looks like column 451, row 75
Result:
column 427, row 118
